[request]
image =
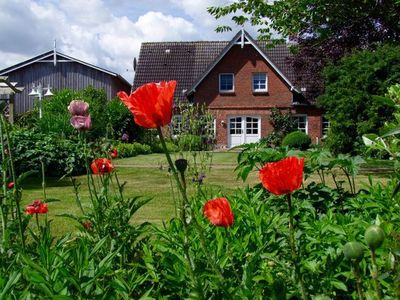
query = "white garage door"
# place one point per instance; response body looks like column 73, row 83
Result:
column 244, row 130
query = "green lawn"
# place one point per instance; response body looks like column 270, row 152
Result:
column 147, row 175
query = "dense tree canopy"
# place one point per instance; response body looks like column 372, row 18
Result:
column 353, row 95
column 324, row 30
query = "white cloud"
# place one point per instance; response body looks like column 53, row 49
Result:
column 92, row 31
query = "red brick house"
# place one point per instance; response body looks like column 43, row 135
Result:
column 240, row 81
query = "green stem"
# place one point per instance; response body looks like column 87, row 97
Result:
column 3, row 203
column 15, row 192
column 43, row 181
column 356, row 272
column 292, row 243
column 375, row 275
column 230, row 253
column 183, row 216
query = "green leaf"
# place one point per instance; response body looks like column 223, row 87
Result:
column 339, row 285
column 13, row 279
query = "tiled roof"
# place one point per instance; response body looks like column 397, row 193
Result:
column 186, row 62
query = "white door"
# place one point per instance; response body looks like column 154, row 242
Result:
column 243, row 130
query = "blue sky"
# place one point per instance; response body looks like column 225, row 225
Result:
column 106, row 33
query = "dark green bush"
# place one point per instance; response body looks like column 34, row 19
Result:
column 110, row 119
column 351, row 99
column 130, row 150
column 297, row 139
column 157, row 147
column 60, row 156
column 120, row 121
column 190, row 142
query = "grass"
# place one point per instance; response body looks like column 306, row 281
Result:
column 148, row 176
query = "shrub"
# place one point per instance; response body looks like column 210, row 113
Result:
column 130, row 150
column 350, row 98
column 157, row 147
column 120, row 121
column 60, row 156
column 190, row 142
column 297, row 140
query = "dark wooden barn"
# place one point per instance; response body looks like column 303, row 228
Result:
column 60, row 71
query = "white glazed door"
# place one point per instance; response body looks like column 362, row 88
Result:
column 243, row 129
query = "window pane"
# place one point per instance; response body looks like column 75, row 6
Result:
column 176, row 124
column 226, row 82
column 325, row 126
column 260, row 82
column 301, row 122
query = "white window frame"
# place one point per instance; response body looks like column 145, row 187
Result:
column 176, row 125
column 300, row 116
column 325, row 128
column 233, row 83
column 257, row 90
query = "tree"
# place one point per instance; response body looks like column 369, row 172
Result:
column 353, row 95
column 324, row 30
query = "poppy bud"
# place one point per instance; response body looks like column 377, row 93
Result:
column 181, row 165
column 353, row 251
column 374, row 236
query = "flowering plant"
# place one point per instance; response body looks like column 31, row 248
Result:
column 218, row 212
column 37, row 207
column 151, row 104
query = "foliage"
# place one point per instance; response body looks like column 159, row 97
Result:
column 190, row 142
column 282, row 124
column 352, row 98
column 297, row 139
column 324, row 31
column 157, row 148
column 133, row 149
column 196, row 127
column 59, row 156
column 388, row 141
column 109, row 118
column 278, row 247
column 120, row 121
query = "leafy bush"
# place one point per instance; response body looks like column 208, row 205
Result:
column 60, row 156
column 120, row 121
column 156, row 147
column 130, row 150
column 110, row 119
column 350, row 98
column 297, row 140
column 190, row 142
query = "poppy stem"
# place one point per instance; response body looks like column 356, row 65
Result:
column 182, row 191
column 292, row 243
column 43, row 180
column 356, row 273
column 3, row 203
column 16, row 193
column 375, row 275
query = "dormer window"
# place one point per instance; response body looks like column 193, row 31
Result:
column 260, row 83
column 226, row 83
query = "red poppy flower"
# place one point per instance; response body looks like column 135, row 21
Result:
column 284, row 176
column 10, row 185
column 151, row 104
column 218, row 211
column 101, row 166
column 37, row 207
column 114, row 153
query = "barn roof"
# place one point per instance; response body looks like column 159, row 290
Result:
column 57, row 57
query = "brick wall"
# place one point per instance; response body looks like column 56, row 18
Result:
column 243, row 102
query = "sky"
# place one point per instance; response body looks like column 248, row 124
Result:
column 105, row 33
